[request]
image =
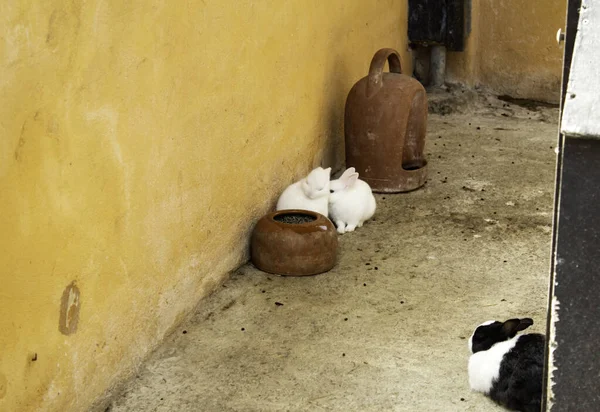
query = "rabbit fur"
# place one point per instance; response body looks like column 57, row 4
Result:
column 506, row 367
column 309, row 193
column 351, row 201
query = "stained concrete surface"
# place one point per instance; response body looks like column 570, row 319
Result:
column 387, row 328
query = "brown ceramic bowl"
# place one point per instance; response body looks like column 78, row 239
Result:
column 294, row 243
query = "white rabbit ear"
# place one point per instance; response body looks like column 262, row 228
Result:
column 305, row 185
column 351, row 180
column 348, row 172
column 328, row 170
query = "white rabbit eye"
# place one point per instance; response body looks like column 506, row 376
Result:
column 331, row 191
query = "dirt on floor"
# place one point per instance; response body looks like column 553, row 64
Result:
column 387, row 328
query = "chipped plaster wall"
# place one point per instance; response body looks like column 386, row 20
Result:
column 140, row 142
column 512, row 48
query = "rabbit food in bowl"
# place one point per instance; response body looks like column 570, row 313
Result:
column 294, row 243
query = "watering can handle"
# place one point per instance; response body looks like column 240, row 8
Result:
column 376, row 70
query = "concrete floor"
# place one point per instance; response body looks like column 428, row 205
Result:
column 387, row 328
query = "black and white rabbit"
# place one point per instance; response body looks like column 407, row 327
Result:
column 506, row 367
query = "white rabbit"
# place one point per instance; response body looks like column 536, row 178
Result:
column 310, row 193
column 351, row 201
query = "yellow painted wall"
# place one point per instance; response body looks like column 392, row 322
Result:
column 512, row 48
column 140, row 141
